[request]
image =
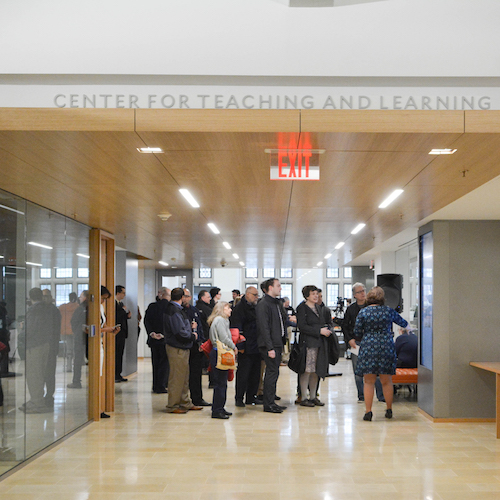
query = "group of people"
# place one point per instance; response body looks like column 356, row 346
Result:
column 177, row 330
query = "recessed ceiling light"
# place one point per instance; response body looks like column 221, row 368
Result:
column 242, row 263
column 213, row 227
column 189, row 197
column 227, row 245
column 33, row 264
column 236, row 256
column 2, row 257
column 320, row 263
column 390, row 198
column 35, row 244
column 83, row 255
column 328, row 255
column 163, row 263
column 442, row 151
column 340, row 245
column 358, row 228
column 150, row 150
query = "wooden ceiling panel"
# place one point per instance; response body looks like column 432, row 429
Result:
column 213, row 141
column 67, row 119
column 217, row 120
column 99, row 178
column 376, row 121
column 379, row 142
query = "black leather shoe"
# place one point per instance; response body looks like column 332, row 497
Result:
column 282, row 408
column 388, row 413
column 228, row 413
column 273, row 409
column 222, row 416
column 105, row 415
column 368, row 416
column 239, row 404
column 277, row 398
column 161, row 391
column 202, row 403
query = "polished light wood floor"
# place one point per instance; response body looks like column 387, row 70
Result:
column 325, row 453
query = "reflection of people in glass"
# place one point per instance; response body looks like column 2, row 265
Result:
column 43, row 326
column 78, row 327
column 4, row 341
column 67, row 311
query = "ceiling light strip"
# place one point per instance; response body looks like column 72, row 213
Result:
column 189, row 197
column 213, row 227
column 391, row 198
column 35, row 244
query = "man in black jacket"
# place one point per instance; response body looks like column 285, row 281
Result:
column 153, row 321
column 179, row 338
column 271, row 328
column 122, row 315
column 196, row 355
column 248, row 373
column 351, row 313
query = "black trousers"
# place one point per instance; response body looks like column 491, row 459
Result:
column 271, row 376
column 119, row 349
column 79, row 356
column 219, row 378
column 195, row 370
column 50, row 372
column 161, row 369
column 248, row 376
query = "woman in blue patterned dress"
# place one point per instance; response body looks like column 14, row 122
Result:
column 377, row 354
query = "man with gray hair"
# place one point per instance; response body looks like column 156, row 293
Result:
column 351, row 313
column 153, row 321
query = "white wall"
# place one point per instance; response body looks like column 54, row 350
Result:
column 250, row 37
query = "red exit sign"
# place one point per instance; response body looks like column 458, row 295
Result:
column 295, row 165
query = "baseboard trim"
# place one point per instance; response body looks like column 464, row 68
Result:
column 455, row 420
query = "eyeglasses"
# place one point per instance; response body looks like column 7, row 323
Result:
column 360, row 291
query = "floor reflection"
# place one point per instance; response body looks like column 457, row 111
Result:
column 326, row 453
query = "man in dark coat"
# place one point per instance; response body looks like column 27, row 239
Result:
column 122, row 315
column 196, row 355
column 153, row 321
column 43, row 328
column 179, row 338
column 271, row 328
column 249, row 360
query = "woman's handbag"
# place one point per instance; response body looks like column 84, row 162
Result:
column 206, row 347
column 297, row 360
column 225, row 357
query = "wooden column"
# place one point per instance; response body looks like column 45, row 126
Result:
column 109, row 344
column 93, row 320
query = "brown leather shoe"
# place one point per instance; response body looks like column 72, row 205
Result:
column 195, row 408
column 179, row 410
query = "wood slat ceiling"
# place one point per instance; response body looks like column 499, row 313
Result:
column 86, row 166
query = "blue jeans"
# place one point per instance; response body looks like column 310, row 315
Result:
column 360, row 384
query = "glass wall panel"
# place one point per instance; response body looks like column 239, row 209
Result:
column 41, row 401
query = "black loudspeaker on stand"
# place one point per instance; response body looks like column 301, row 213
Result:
column 393, row 288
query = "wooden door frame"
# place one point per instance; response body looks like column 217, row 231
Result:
column 102, row 272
